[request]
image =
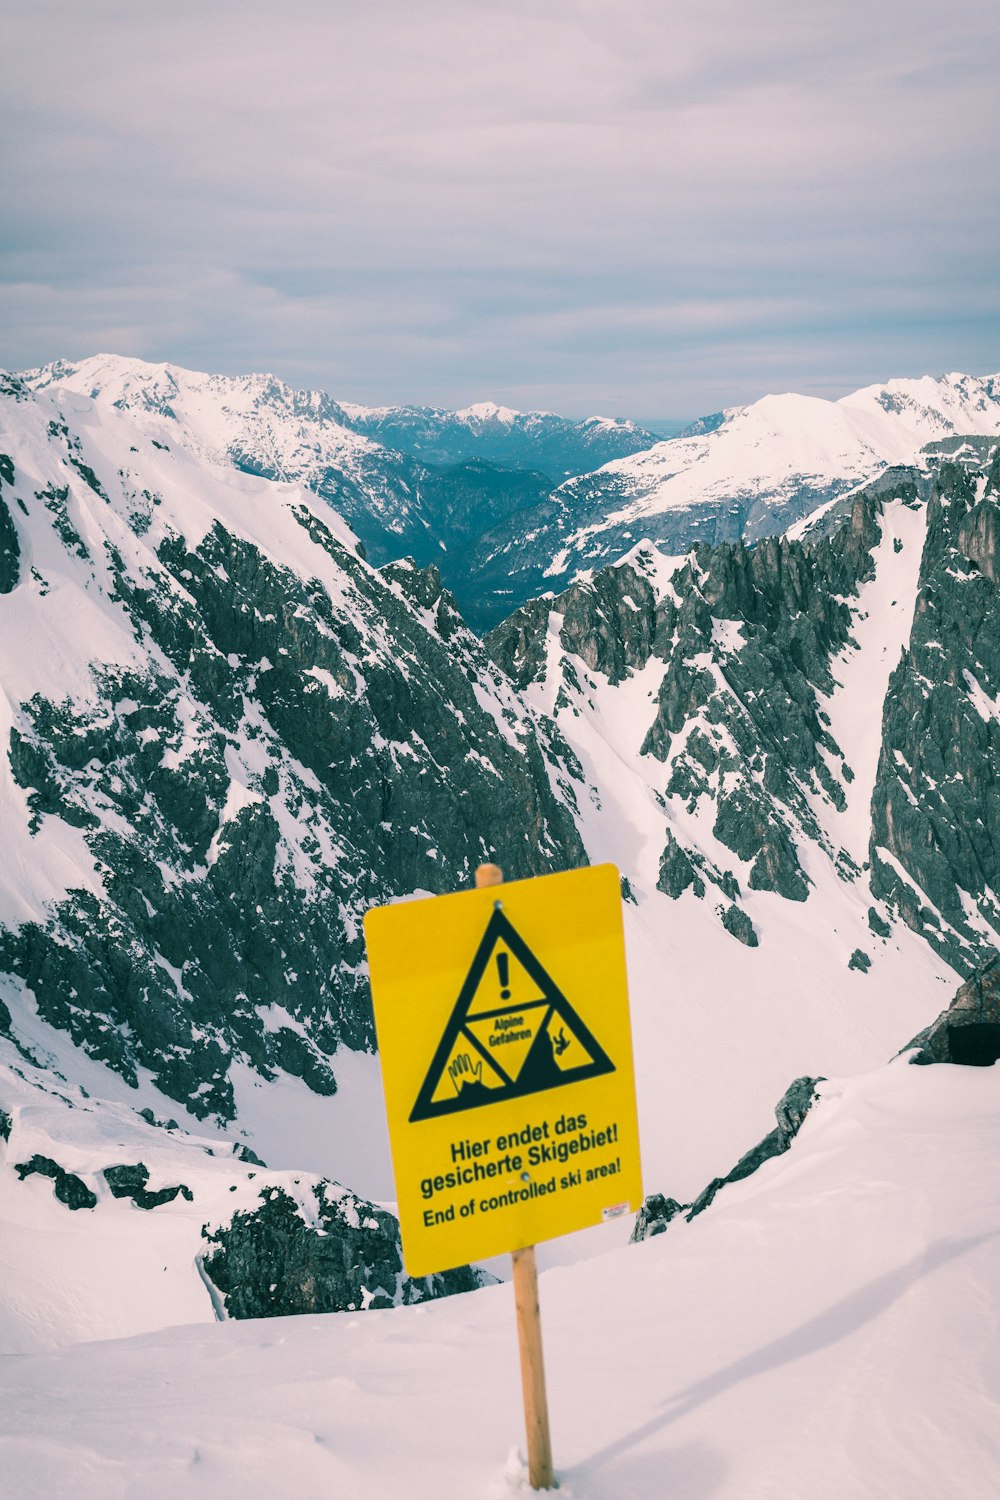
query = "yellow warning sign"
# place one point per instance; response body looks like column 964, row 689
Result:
column 503, row 1028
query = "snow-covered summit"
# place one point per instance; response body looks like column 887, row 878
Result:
column 220, row 416
column 489, row 411
column 749, row 471
column 411, row 481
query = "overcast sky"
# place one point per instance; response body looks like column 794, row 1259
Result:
column 653, row 209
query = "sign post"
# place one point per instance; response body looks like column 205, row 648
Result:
column 506, row 1051
column 529, row 1326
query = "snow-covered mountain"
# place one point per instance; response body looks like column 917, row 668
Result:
column 206, row 696
column 260, row 425
column 809, row 711
column 224, row 734
column 748, row 472
column 411, row 482
column 537, row 440
column 476, row 492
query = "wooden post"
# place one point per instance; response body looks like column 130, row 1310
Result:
column 529, row 1339
column 529, row 1326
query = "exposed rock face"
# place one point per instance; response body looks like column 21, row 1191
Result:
column 69, row 1188
column 753, row 636
column 736, row 921
column 10, row 551
column 968, row 1031
column 272, row 1263
column 130, row 1182
column 610, row 622
column 790, row 1111
column 267, row 750
column 10, row 548
column 935, row 845
column 654, row 1216
column 677, row 871
column 747, row 637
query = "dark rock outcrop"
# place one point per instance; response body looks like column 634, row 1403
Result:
column 790, row 1111
column 69, row 1188
column 968, row 1030
column 654, row 1216
column 130, row 1182
column 271, row 1263
column 935, row 840
column 10, row 547
column 611, row 622
column 10, row 551
column 736, row 921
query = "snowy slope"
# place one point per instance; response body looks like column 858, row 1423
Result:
column 761, row 468
column 825, row 1329
column 253, row 421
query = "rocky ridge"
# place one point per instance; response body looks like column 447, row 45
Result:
column 417, row 482
column 761, row 742
column 234, row 738
column 536, row 440
column 747, row 473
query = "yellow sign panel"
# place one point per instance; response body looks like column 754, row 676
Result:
column 503, row 1027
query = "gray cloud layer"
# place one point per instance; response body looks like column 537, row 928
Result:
column 603, row 204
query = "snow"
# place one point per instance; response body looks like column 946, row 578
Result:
column 343, row 1137
column 770, row 451
column 880, row 629
column 219, row 418
column 824, row 1329
column 488, row 411
column 986, row 707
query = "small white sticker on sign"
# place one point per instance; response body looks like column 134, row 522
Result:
column 614, row 1212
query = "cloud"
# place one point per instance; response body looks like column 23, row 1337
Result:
column 414, row 202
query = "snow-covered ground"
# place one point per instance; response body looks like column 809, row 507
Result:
column 827, row 1328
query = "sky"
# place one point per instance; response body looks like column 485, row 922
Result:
column 617, row 206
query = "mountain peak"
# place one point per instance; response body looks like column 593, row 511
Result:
column 489, row 411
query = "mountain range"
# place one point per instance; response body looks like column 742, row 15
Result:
column 763, row 679
column 484, row 493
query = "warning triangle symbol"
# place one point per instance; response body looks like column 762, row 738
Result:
column 512, row 1032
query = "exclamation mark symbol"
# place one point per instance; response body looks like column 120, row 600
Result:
column 503, row 970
